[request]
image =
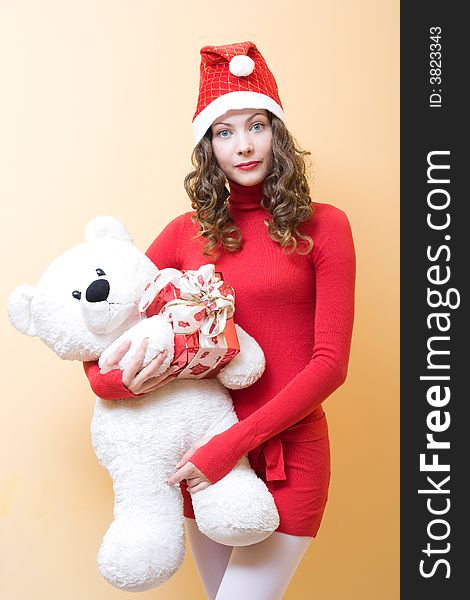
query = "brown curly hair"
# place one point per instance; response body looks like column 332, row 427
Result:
column 286, row 195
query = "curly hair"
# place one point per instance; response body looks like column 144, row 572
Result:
column 286, row 195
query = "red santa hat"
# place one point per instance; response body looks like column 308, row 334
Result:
column 233, row 76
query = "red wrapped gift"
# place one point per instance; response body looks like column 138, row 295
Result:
column 200, row 306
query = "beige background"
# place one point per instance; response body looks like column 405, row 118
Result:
column 96, row 102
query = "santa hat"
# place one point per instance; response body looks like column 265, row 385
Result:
column 234, row 76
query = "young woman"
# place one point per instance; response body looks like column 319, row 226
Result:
column 292, row 265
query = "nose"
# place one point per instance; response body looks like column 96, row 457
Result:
column 245, row 146
column 97, row 291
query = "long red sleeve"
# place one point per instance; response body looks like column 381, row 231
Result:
column 108, row 386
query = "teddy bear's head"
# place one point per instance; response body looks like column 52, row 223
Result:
column 88, row 296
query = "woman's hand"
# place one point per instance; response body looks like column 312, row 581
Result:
column 195, row 478
column 136, row 379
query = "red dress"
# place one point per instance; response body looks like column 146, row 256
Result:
column 300, row 309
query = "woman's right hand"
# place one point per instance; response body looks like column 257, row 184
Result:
column 136, row 379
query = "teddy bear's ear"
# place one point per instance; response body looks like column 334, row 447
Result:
column 19, row 309
column 101, row 228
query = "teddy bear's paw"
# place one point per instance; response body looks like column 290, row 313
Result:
column 247, row 367
column 224, row 515
column 138, row 554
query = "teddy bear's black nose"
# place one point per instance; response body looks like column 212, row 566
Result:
column 97, row 291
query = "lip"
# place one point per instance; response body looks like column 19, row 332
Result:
column 246, row 166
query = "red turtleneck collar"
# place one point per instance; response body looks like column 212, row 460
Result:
column 245, row 198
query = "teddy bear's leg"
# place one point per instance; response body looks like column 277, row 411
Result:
column 238, row 510
column 144, row 545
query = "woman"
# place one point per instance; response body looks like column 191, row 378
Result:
column 292, row 265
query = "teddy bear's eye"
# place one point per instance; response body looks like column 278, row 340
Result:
column 76, row 294
column 100, row 272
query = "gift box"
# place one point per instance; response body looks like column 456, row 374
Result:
column 200, row 306
column 200, row 355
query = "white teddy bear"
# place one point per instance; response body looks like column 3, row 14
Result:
column 87, row 299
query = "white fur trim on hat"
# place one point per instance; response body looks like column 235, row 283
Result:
column 232, row 101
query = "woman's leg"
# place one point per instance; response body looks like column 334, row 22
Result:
column 262, row 571
column 210, row 557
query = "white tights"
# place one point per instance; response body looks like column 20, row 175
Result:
column 258, row 572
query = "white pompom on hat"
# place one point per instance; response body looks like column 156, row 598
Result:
column 233, row 76
column 241, row 65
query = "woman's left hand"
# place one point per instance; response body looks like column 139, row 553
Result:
column 195, row 478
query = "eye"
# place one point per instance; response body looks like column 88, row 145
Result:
column 76, row 294
column 257, row 127
column 223, row 133
column 100, row 272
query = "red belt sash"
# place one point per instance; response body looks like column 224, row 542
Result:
column 272, row 449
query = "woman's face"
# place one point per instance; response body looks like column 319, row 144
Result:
column 242, row 145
